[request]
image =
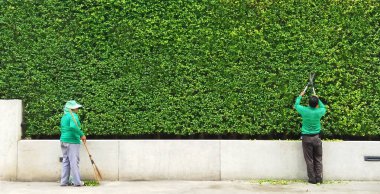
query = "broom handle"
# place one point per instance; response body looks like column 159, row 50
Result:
column 85, row 145
column 88, row 152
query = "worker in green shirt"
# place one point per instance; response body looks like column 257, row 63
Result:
column 71, row 135
column 311, row 141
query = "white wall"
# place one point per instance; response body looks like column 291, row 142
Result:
column 345, row 160
column 38, row 160
column 284, row 160
column 10, row 134
column 169, row 159
column 262, row 160
column 199, row 160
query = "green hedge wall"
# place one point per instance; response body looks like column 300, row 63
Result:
column 186, row 67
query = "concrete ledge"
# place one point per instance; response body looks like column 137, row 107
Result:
column 38, row 160
column 345, row 160
column 244, row 159
column 105, row 153
column 169, row 159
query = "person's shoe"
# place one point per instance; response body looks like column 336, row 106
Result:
column 312, row 181
column 66, row 184
column 80, row 185
column 319, row 180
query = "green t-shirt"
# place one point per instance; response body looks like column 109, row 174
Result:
column 311, row 117
column 70, row 132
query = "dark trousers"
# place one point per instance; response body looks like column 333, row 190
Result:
column 312, row 152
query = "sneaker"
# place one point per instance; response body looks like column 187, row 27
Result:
column 80, row 185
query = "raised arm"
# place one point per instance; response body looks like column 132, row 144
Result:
column 322, row 106
column 298, row 105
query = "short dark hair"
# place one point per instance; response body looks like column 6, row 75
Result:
column 313, row 101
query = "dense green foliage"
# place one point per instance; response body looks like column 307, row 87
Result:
column 188, row 67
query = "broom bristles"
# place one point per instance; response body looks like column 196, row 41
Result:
column 99, row 175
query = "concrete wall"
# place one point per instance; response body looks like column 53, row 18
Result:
column 345, row 160
column 173, row 159
column 262, row 160
column 284, row 160
column 10, row 134
column 38, row 160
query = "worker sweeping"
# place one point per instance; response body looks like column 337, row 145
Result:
column 310, row 134
column 71, row 135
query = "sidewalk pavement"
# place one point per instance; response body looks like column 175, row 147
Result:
column 190, row 187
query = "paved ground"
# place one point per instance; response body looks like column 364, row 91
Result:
column 189, row 187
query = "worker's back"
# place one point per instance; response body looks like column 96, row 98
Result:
column 311, row 117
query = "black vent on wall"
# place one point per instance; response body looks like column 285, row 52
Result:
column 372, row 158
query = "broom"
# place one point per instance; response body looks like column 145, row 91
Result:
column 98, row 175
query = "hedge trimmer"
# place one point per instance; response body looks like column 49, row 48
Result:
column 310, row 83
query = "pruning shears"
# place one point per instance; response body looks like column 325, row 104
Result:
column 310, row 83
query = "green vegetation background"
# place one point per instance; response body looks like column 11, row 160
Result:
column 188, row 67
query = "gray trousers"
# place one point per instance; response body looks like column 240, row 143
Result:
column 70, row 163
column 312, row 152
